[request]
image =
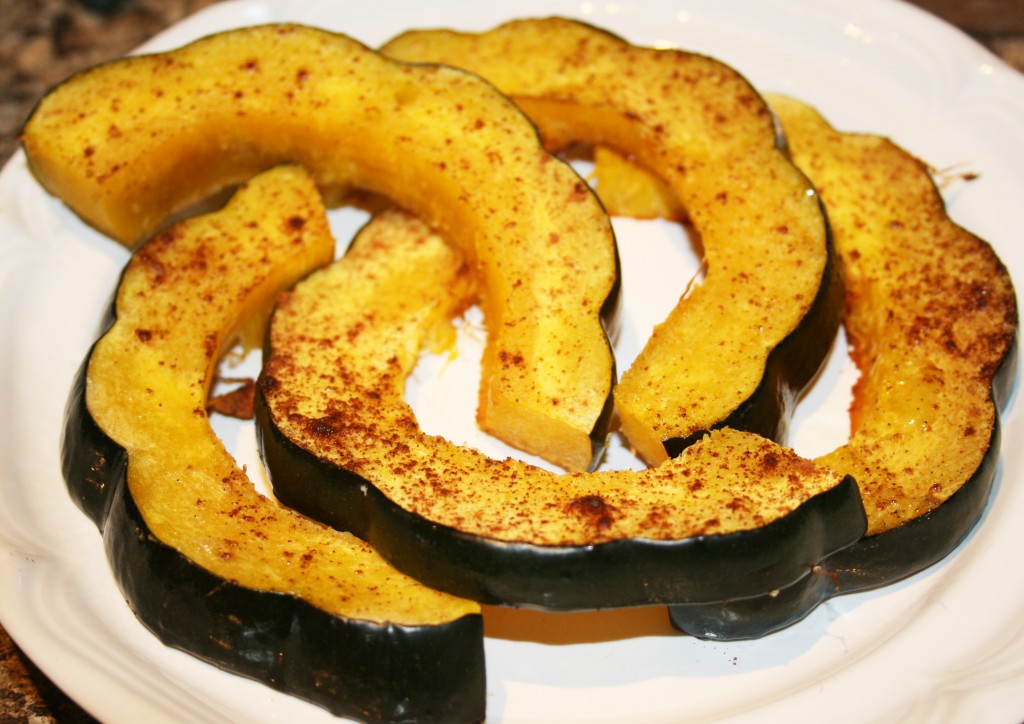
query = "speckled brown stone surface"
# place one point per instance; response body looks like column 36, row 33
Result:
column 26, row 695
column 44, row 41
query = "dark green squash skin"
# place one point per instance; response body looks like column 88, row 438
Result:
column 790, row 367
column 871, row 562
column 628, row 572
column 90, row 461
column 360, row 669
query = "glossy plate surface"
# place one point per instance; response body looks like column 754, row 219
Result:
column 945, row 645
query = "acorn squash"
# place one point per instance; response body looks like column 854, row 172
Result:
column 205, row 561
column 733, row 515
column 127, row 144
column 740, row 348
column 931, row 317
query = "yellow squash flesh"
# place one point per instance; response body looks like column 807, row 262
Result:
column 705, row 131
column 127, row 144
column 183, row 299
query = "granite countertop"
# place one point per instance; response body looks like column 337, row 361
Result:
column 44, row 41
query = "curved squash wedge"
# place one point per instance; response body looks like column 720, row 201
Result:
column 206, row 562
column 733, row 515
column 112, row 143
column 742, row 346
column 932, row 321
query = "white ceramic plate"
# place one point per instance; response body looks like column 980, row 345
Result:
column 946, row 645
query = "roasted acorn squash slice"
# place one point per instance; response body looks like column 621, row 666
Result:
column 205, row 561
column 733, row 515
column 931, row 317
column 746, row 341
column 112, row 143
